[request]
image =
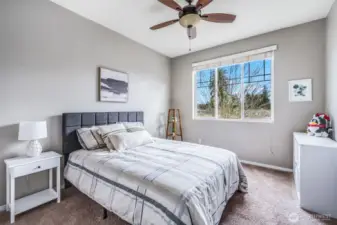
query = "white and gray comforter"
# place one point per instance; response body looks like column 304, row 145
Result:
column 164, row 183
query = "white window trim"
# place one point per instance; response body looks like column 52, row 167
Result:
column 238, row 55
column 245, row 120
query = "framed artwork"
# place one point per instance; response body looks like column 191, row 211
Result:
column 300, row 90
column 114, row 85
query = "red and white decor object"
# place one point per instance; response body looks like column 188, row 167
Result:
column 320, row 125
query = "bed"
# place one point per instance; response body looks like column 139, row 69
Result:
column 165, row 182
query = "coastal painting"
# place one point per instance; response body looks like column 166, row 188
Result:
column 300, row 90
column 114, row 85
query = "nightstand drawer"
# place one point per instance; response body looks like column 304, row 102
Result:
column 35, row 167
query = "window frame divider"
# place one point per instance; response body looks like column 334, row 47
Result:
column 242, row 100
column 216, row 97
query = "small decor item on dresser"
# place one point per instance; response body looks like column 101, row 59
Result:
column 32, row 131
column 114, row 85
column 300, row 90
column 320, row 125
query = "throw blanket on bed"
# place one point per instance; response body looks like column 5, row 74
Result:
column 163, row 183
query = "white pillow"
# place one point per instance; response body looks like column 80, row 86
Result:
column 89, row 138
column 111, row 129
column 123, row 141
column 134, row 126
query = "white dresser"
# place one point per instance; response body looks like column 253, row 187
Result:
column 315, row 173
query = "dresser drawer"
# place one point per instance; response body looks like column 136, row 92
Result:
column 35, row 167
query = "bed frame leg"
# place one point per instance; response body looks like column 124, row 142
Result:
column 105, row 214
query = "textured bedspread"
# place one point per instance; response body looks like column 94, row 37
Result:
column 164, row 183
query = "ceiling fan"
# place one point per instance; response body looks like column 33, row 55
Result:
column 190, row 16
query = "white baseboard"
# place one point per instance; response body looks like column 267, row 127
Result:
column 2, row 208
column 267, row 166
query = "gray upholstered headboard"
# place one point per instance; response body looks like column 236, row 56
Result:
column 72, row 121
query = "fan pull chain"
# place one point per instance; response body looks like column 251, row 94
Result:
column 189, row 44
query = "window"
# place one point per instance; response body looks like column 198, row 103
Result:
column 237, row 87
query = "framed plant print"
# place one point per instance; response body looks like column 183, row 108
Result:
column 300, row 90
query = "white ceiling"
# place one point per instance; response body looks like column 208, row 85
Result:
column 132, row 18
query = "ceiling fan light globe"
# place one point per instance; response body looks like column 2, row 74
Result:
column 189, row 20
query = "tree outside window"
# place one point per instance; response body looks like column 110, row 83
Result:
column 242, row 91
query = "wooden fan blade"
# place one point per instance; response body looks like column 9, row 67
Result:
column 165, row 24
column 219, row 17
column 202, row 3
column 172, row 4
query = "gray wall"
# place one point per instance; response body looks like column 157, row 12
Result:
column 301, row 54
column 331, row 59
column 48, row 65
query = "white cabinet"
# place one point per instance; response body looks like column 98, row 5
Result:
column 315, row 173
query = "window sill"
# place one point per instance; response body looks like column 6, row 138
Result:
column 270, row 121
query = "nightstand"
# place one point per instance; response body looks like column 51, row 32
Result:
column 22, row 166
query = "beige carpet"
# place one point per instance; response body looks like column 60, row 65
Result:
column 271, row 200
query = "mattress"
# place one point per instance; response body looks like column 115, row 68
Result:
column 166, row 182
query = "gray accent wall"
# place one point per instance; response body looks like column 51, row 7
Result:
column 300, row 54
column 48, row 65
column 331, row 71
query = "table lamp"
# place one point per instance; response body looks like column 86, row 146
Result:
column 32, row 131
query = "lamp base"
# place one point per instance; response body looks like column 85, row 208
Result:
column 34, row 148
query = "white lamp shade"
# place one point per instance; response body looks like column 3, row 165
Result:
column 32, row 130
